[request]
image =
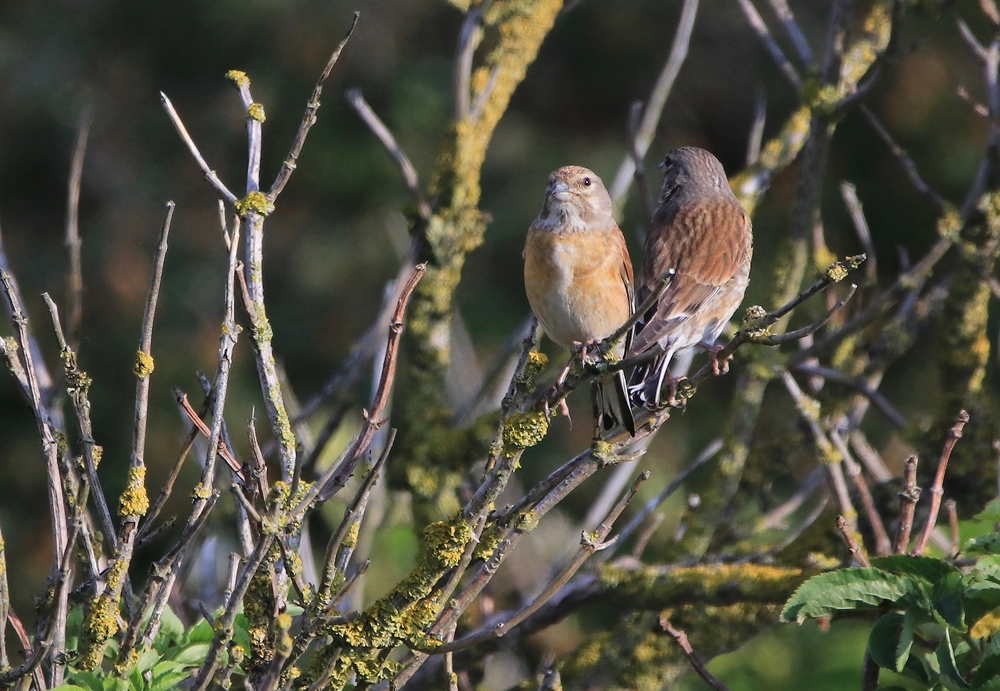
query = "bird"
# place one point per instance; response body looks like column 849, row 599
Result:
column 702, row 233
column 578, row 276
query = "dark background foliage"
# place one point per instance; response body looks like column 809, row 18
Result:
column 338, row 231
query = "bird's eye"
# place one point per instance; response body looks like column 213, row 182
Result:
column 586, row 182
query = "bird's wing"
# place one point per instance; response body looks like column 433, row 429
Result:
column 705, row 242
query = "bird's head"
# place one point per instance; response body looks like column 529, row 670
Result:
column 575, row 199
column 694, row 168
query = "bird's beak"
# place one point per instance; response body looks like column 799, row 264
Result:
column 560, row 190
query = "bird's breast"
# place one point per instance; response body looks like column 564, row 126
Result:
column 574, row 284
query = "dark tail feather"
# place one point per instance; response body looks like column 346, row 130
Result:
column 624, row 404
column 609, row 412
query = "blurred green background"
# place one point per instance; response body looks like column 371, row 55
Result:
column 338, row 231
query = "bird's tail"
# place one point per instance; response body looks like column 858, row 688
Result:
column 610, row 411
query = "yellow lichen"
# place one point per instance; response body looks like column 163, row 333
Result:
column 238, row 78
column 143, row 365
column 134, row 501
column 522, row 430
column 255, row 202
column 256, row 111
column 97, row 453
column 836, row 272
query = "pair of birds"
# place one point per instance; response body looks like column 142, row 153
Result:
column 578, row 273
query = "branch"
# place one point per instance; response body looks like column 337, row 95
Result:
column 308, row 119
column 908, row 502
column 379, row 129
column 936, row 489
column 210, row 174
column 682, row 641
column 75, row 279
column 657, row 100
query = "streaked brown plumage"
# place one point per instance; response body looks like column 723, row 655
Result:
column 701, row 231
column 577, row 271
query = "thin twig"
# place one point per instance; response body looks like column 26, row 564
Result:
column 656, row 101
column 850, row 195
column 591, row 542
column 210, row 174
column 308, row 119
column 954, row 434
column 335, row 477
column 468, row 40
column 379, row 129
column 908, row 502
column 847, row 532
column 634, row 123
column 699, row 668
column 874, row 395
column 771, row 45
column 909, row 167
column 883, row 546
column 75, row 278
column 756, row 137
column 784, row 13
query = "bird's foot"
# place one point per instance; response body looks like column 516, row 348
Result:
column 713, row 354
column 562, row 405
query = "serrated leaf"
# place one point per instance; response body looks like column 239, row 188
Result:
column 926, row 567
column 987, row 675
column 984, row 544
column 890, row 641
column 948, row 596
column 950, row 677
column 846, row 589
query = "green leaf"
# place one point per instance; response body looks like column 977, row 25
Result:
column 201, row 632
column 88, row 680
column 192, row 655
column 891, row 639
column 987, row 675
column 948, row 595
column 926, row 567
column 171, row 628
column 984, row 544
column 990, row 512
column 68, row 687
column 894, row 687
column 845, row 589
column 167, row 681
column 115, row 684
column 949, row 676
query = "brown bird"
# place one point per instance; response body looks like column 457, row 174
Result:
column 700, row 231
column 578, row 275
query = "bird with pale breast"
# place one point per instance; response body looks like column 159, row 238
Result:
column 578, row 275
column 701, row 231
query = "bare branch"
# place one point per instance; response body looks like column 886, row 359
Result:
column 309, row 119
column 847, row 533
column 908, row 502
column 699, row 668
column 657, row 100
column 850, row 195
column 75, row 279
column 772, row 47
column 936, row 489
column 379, row 129
column 210, row 174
